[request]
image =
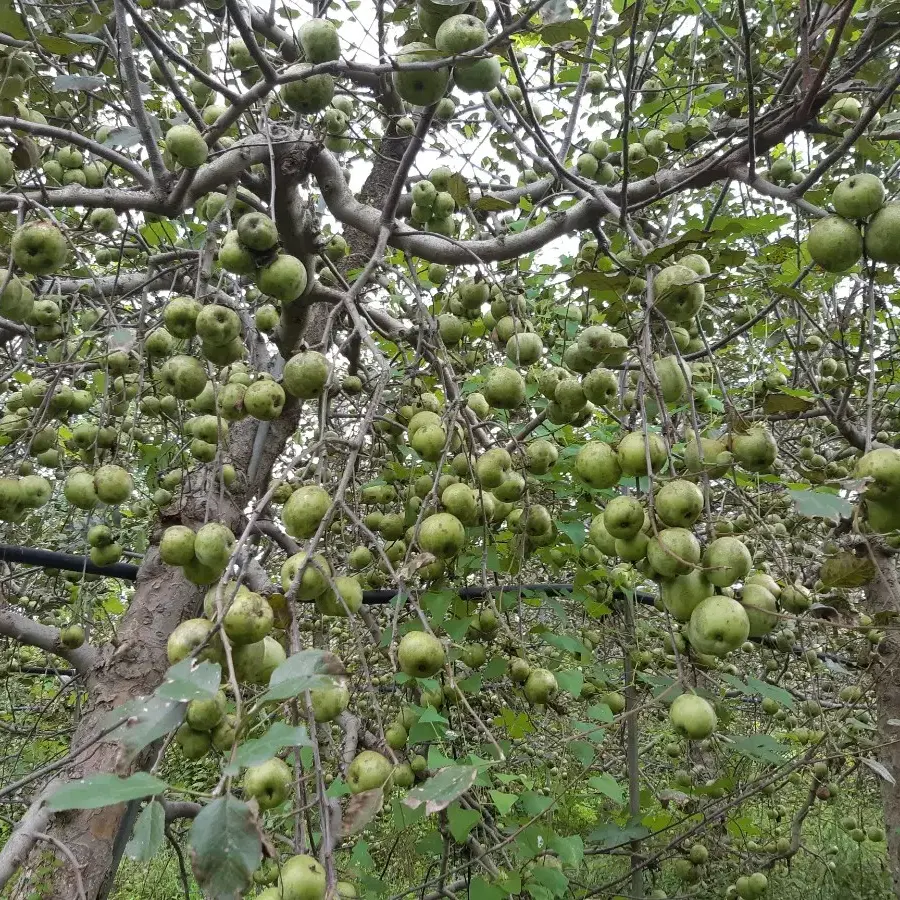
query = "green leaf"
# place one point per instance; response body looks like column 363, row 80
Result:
column 569, row 849
column 612, row 834
column 188, row 680
column 462, row 821
column 149, row 833
column 304, row 671
column 503, row 802
column 144, row 720
column 557, row 32
column 479, row 889
column 154, row 233
column 847, row 570
column 575, row 531
column 582, row 751
column 571, row 681
column 783, row 403
column 458, row 190
column 495, row 668
column 608, row 786
column 105, row 789
column 487, row 203
column 755, row 686
column 439, row 791
column 226, row 848
column 123, row 136
column 516, row 724
column 258, row 750
column 821, row 504
column 436, row 604
column 760, row 746
column 551, row 878
column 535, row 804
column 11, row 22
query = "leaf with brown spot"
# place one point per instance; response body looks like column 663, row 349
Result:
column 360, row 810
column 846, row 571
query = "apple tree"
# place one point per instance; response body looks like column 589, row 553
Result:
column 499, row 400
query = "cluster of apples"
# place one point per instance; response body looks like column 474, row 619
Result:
column 836, row 242
column 36, row 248
column 432, row 209
column 251, row 249
column 445, row 27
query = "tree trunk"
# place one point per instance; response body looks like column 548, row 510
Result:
column 883, row 596
column 135, row 666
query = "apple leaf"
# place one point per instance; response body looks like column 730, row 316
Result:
column 760, row 746
column 439, row 791
column 226, row 848
column 258, row 750
column 360, row 810
column 820, row 504
column 188, row 680
column 304, row 671
column 462, row 821
column 846, row 570
column 608, row 786
column 104, row 789
column 571, row 681
column 149, row 833
column 78, row 83
column 145, row 720
column 11, row 22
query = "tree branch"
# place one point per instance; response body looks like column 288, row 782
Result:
column 26, row 631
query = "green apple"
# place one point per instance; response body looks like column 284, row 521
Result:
column 726, row 560
column 835, row 244
column 692, row 717
column 187, row 146
column 306, row 374
column 636, row 448
column 858, row 196
column 304, row 510
column 264, row 400
column 187, row 637
column 193, row 744
column 718, row 625
column 39, row 248
column 504, row 388
column 329, row 703
column 679, row 503
column 623, row 517
column 369, row 770
column 597, row 464
column 540, row 686
column 302, row 878
column 443, row 535
column 269, row 783
column 883, row 235
column 678, row 293
column 204, row 714
column 420, row 654
column 761, row 607
column 248, row 619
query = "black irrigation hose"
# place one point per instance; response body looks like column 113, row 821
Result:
column 51, row 559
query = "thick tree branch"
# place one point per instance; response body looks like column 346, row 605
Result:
column 26, row 631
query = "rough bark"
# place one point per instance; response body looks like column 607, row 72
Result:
column 883, row 596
